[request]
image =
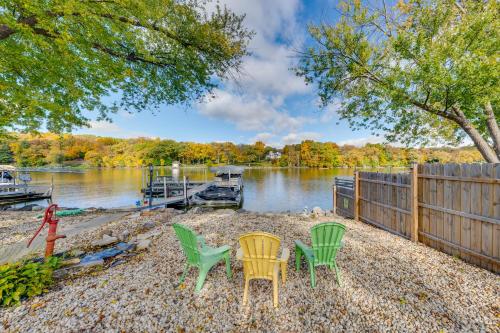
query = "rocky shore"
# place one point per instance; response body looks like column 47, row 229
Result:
column 389, row 283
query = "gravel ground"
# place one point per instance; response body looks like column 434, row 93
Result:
column 389, row 284
column 20, row 226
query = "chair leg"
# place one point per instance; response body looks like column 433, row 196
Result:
column 283, row 272
column 337, row 273
column 201, row 278
column 275, row 291
column 183, row 276
column 298, row 257
column 313, row 275
column 245, row 292
column 229, row 273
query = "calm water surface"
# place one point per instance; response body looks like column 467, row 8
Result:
column 265, row 189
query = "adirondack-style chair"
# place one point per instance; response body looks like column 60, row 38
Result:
column 326, row 239
column 259, row 253
column 199, row 255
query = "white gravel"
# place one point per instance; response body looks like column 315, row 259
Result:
column 390, row 284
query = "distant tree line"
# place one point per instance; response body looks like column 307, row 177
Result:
column 92, row 151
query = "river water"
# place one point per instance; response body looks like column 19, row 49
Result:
column 265, row 189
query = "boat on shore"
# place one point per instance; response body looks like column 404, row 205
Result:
column 15, row 187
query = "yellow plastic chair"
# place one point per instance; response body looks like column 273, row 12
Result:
column 259, row 251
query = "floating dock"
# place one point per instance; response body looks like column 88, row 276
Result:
column 225, row 190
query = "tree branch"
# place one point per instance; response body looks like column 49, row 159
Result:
column 493, row 128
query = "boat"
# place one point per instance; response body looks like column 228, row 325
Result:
column 15, row 187
column 225, row 190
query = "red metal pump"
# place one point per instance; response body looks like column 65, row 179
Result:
column 50, row 217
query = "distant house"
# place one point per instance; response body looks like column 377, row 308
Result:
column 273, row 155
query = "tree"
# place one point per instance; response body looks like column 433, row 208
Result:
column 61, row 57
column 420, row 71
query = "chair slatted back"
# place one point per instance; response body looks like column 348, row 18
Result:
column 189, row 243
column 260, row 251
column 326, row 240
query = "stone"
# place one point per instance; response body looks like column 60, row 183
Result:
column 76, row 253
column 97, row 262
column 317, row 211
column 124, row 235
column 70, row 262
column 195, row 210
column 37, row 208
column 106, row 240
column 60, row 273
column 140, row 237
column 143, row 244
column 148, row 225
column 107, row 232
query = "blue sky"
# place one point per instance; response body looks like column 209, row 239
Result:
column 268, row 102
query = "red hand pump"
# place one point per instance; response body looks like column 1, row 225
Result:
column 50, row 214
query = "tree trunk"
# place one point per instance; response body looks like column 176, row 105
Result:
column 481, row 144
column 492, row 124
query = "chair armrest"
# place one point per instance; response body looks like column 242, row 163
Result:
column 201, row 240
column 239, row 254
column 308, row 252
column 285, row 254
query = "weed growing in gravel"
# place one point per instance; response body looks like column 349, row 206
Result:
column 25, row 279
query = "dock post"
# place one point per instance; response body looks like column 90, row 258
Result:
column 185, row 191
column 165, row 187
column 334, row 199
column 150, row 185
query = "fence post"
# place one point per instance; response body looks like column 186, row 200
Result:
column 414, row 202
column 334, row 199
column 356, row 196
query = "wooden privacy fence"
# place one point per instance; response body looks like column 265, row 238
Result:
column 454, row 208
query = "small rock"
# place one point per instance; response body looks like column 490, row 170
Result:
column 195, row 210
column 124, row 235
column 317, row 211
column 140, row 237
column 70, row 262
column 76, row 253
column 98, row 262
column 107, row 232
column 60, row 273
column 143, row 244
column 148, row 225
column 106, row 240
column 36, row 208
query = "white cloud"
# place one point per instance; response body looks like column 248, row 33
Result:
column 293, row 137
column 264, row 137
column 104, row 128
column 250, row 113
column 255, row 101
column 330, row 111
column 362, row 141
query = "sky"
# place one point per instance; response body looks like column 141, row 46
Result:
column 268, row 102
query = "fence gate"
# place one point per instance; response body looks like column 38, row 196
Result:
column 343, row 196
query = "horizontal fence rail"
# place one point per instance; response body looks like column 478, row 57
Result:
column 454, row 208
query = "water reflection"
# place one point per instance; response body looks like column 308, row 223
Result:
column 265, row 189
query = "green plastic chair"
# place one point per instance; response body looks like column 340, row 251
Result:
column 326, row 241
column 200, row 255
